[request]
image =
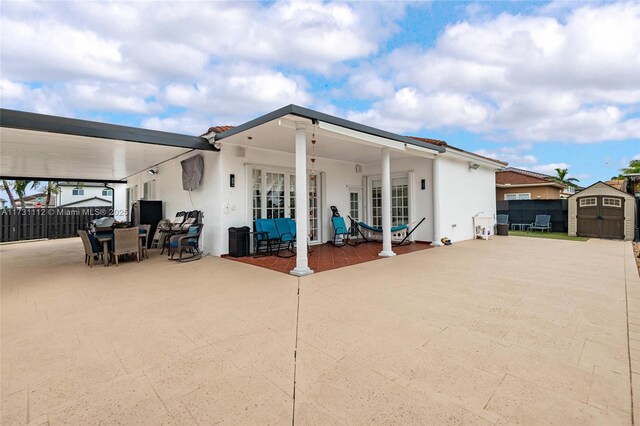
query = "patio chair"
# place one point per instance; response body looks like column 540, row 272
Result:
column 275, row 235
column 125, row 241
column 91, row 247
column 542, row 222
column 341, row 230
column 145, row 229
column 188, row 242
column 502, row 219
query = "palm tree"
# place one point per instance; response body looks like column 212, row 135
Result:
column 7, row 189
column 634, row 167
column 563, row 179
column 20, row 186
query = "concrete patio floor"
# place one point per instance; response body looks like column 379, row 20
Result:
column 513, row 330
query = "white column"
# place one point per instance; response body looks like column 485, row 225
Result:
column 302, row 204
column 436, row 202
column 386, row 205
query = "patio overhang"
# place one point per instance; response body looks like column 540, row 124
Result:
column 337, row 138
column 43, row 147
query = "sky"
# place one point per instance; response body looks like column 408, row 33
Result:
column 541, row 85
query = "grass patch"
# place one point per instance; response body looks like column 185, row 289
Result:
column 549, row 235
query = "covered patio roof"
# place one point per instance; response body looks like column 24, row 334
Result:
column 45, row 147
column 337, row 138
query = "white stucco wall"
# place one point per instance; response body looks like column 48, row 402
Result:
column 463, row 194
column 66, row 194
column 420, row 201
column 168, row 188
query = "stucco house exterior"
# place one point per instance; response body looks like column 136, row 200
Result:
column 291, row 162
column 72, row 194
column 519, row 184
column 426, row 178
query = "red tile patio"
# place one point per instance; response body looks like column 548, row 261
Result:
column 325, row 257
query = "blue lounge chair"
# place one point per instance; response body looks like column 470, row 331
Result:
column 542, row 222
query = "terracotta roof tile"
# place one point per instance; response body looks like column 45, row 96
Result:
column 512, row 177
column 429, row 140
column 218, row 129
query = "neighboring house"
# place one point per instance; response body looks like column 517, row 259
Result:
column 601, row 211
column 292, row 162
column 71, row 194
column 36, row 200
column 3, row 203
column 518, row 184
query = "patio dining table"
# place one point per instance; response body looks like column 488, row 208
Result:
column 106, row 237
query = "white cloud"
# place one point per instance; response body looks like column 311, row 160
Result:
column 516, row 156
column 531, row 78
column 549, row 169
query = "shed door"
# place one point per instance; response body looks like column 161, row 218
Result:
column 601, row 217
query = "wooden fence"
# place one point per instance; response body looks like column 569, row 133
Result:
column 36, row 223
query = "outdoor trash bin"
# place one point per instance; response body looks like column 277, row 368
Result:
column 239, row 241
column 503, row 229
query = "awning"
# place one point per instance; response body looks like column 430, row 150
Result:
column 43, row 147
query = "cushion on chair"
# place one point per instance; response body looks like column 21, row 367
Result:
column 339, row 226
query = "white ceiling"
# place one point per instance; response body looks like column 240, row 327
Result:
column 28, row 153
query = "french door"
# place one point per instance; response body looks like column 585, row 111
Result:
column 273, row 195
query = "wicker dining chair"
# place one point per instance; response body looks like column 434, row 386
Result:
column 125, row 241
column 90, row 252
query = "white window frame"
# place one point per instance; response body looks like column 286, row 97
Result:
column 77, row 192
column 583, row 202
column 109, row 192
column 606, row 202
column 518, row 196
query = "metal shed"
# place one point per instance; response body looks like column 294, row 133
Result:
column 601, row 211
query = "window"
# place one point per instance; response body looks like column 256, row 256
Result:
column 257, row 194
column 275, row 195
column 106, row 192
column 586, row 202
column 399, row 201
column 79, row 192
column 523, row 196
column 354, row 205
column 611, row 202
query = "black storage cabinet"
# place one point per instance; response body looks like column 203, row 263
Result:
column 147, row 212
column 239, row 241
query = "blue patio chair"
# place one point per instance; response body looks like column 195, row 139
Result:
column 542, row 222
column 341, row 230
column 287, row 229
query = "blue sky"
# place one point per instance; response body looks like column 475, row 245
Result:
column 538, row 84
